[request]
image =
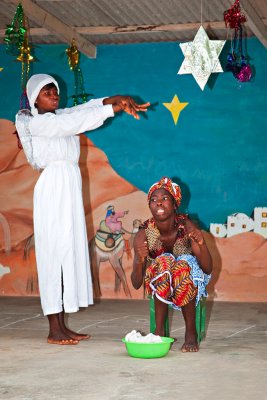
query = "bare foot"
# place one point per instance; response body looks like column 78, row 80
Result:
column 189, row 313
column 65, row 341
column 57, row 333
column 75, row 335
column 69, row 332
column 190, row 347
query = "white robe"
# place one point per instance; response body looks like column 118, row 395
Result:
column 59, row 222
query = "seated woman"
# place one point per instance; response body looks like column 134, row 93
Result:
column 170, row 253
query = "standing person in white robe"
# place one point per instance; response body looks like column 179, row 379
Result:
column 50, row 140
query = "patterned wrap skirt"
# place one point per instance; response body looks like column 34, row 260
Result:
column 176, row 280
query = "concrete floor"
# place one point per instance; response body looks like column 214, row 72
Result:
column 231, row 364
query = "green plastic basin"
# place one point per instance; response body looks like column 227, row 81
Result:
column 148, row 350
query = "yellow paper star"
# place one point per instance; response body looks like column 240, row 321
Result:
column 175, row 107
column 1, row 69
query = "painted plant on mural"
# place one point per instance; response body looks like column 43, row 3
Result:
column 216, row 152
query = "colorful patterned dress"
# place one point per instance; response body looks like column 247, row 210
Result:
column 174, row 278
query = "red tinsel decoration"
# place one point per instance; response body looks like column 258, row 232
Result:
column 233, row 17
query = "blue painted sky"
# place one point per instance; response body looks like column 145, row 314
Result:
column 217, row 151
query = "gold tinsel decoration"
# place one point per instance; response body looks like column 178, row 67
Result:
column 74, row 60
column 73, row 55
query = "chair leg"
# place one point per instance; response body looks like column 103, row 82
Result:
column 198, row 322
column 201, row 319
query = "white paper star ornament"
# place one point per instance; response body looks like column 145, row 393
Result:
column 201, row 57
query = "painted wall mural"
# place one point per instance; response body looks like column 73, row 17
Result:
column 110, row 230
column 216, row 152
column 239, row 223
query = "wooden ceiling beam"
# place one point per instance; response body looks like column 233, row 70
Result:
column 105, row 30
column 113, row 30
column 55, row 26
column 254, row 21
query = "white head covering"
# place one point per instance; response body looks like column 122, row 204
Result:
column 34, row 85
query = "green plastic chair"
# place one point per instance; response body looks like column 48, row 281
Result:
column 200, row 319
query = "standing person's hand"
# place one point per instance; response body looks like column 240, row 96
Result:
column 126, row 104
column 129, row 106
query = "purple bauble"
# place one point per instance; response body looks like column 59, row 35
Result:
column 245, row 74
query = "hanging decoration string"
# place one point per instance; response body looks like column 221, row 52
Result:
column 74, row 63
column 14, row 35
column 18, row 44
column 236, row 61
column 25, row 58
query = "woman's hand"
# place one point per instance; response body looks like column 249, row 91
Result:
column 126, row 104
column 199, row 247
column 197, row 236
column 129, row 106
column 140, row 249
column 194, row 233
column 140, row 254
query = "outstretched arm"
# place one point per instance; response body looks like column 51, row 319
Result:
column 127, row 104
column 139, row 263
column 199, row 247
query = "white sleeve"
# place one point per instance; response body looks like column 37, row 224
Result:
column 59, row 125
column 90, row 103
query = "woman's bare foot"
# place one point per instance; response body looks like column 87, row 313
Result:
column 190, row 344
column 69, row 332
column 76, row 335
column 189, row 313
column 190, row 347
column 65, row 341
column 57, row 335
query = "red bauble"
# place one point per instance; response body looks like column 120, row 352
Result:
column 233, row 17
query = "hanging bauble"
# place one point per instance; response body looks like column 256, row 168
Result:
column 234, row 17
column 73, row 55
column 25, row 52
column 236, row 61
column 74, row 59
column 245, row 74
